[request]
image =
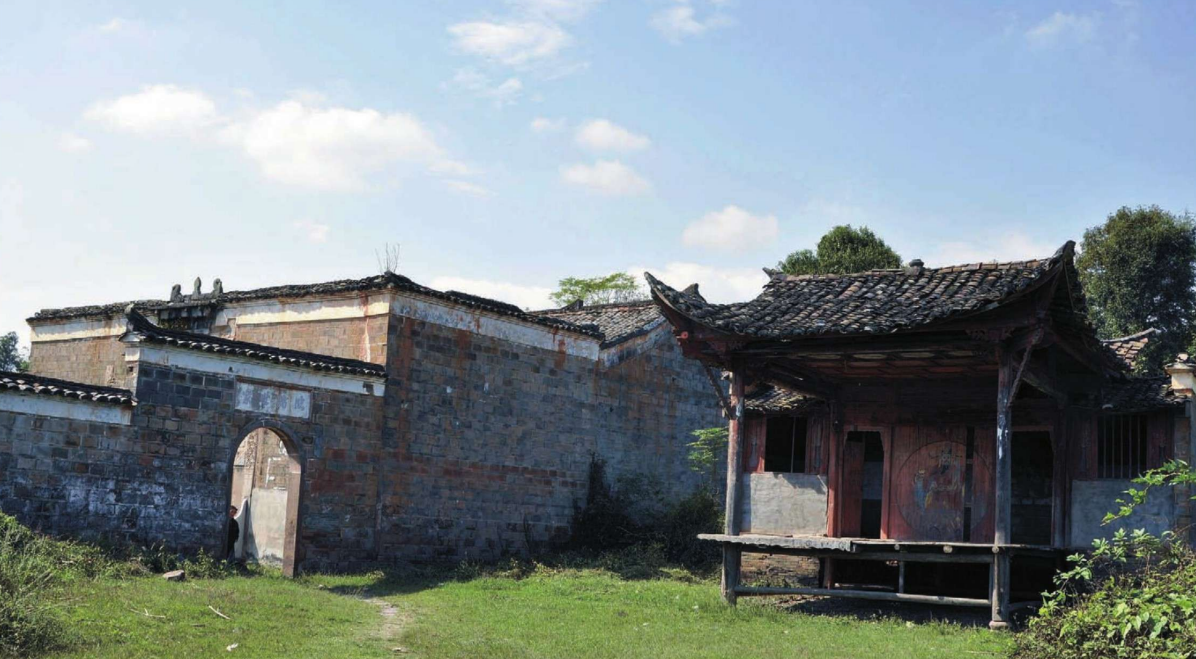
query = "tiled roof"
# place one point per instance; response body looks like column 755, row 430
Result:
column 875, row 302
column 771, row 399
column 146, row 331
column 1140, row 394
column 1128, row 347
column 36, row 384
column 387, row 281
column 618, row 322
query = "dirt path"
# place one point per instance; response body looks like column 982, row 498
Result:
column 393, row 621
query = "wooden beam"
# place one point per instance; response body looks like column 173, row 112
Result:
column 728, row 409
column 863, row 594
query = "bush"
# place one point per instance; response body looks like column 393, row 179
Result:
column 35, row 570
column 1134, row 596
column 606, row 522
column 1146, row 611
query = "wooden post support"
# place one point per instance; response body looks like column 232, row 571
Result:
column 735, row 446
column 1003, row 485
column 999, row 591
column 732, row 556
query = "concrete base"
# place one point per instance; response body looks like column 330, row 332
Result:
column 997, row 626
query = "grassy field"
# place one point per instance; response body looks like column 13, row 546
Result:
column 537, row 613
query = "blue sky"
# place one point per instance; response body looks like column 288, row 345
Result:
column 505, row 145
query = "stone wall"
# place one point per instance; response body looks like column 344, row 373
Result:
column 480, row 445
column 489, row 443
column 99, row 360
column 166, row 476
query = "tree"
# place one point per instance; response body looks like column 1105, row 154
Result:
column 615, row 287
column 1138, row 270
column 12, row 358
column 843, row 250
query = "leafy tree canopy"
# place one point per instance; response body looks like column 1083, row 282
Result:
column 1138, row 270
column 842, row 250
column 615, row 287
column 11, row 356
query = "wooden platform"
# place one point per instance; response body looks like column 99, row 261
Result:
column 817, row 545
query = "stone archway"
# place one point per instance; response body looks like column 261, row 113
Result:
column 266, row 481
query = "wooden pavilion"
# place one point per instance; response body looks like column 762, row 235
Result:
column 937, row 435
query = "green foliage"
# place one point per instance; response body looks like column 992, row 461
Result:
column 843, row 250
column 615, row 287
column 1138, row 270
column 36, row 571
column 1132, row 596
column 607, row 522
column 708, row 449
column 12, row 358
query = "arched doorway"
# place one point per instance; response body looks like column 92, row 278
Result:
column 266, row 478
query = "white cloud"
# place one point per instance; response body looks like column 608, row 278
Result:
column 467, row 188
column 156, row 109
column 513, row 43
column 546, row 125
column 525, row 297
column 451, row 168
column 680, row 21
column 1060, row 25
column 1009, row 246
column 602, row 135
column 479, row 84
column 716, row 284
column 558, row 10
column 115, row 25
column 609, row 177
column 72, row 143
column 331, row 148
column 313, row 231
column 731, row 229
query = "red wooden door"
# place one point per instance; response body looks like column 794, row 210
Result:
column 852, row 486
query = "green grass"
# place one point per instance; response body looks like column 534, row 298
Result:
column 541, row 612
column 270, row 617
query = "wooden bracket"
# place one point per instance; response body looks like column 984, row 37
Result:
column 722, row 397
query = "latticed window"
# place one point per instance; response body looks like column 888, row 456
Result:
column 1121, row 446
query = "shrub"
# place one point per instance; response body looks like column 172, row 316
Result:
column 1133, row 596
column 606, row 523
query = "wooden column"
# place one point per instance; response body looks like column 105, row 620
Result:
column 735, row 446
column 1003, row 485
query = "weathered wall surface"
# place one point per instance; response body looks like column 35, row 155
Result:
column 1092, row 499
column 265, row 532
column 784, row 504
column 166, row 476
column 97, row 360
column 481, row 443
column 488, row 443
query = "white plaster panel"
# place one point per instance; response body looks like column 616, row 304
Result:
column 66, row 408
column 784, row 504
column 77, row 328
column 277, row 401
column 231, row 365
column 259, row 312
column 499, row 327
column 1092, row 499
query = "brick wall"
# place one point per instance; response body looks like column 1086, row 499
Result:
column 479, row 445
column 352, row 338
column 488, row 443
column 166, row 477
column 99, row 361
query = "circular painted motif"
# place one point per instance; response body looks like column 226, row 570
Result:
column 929, row 489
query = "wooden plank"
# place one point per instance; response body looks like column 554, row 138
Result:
column 863, row 594
column 851, row 503
column 772, row 541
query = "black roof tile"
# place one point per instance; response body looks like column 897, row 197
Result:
column 43, row 386
column 618, row 322
column 148, row 332
column 874, row 302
